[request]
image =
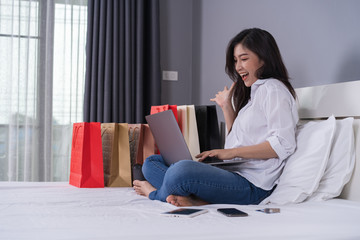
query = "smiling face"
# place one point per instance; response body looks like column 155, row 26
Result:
column 246, row 64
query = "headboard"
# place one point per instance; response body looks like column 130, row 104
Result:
column 341, row 100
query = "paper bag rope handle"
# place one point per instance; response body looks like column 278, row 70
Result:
column 133, row 135
column 103, row 130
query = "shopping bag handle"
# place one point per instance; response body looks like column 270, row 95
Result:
column 133, row 135
column 103, row 130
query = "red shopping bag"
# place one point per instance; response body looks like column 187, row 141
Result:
column 161, row 108
column 157, row 109
column 86, row 169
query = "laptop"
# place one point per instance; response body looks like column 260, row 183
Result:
column 170, row 140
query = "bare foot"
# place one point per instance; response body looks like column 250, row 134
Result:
column 183, row 201
column 143, row 188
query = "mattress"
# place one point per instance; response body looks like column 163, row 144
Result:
column 57, row 210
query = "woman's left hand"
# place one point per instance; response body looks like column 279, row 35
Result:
column 223, row 98
column 223, row 154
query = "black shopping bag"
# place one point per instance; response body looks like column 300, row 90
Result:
column 208, row 127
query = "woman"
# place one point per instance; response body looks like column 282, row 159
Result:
column 261, row 116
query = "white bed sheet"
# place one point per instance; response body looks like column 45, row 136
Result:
column 31, row 210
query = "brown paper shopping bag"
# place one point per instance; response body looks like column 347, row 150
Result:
column 142, row 145
column 149, row 147
column 86, row 169
column 136, row 142
column 116, row 154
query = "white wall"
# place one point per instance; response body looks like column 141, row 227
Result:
column 319, row 41
column 176, row 49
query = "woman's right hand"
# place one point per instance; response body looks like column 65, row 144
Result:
column 223, row 98
column 223, row 154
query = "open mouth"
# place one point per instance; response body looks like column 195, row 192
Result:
column 244, row 76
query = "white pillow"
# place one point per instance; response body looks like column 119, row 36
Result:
column 341, row 162
column 305, row 167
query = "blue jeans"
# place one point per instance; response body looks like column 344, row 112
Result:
column 190, row 178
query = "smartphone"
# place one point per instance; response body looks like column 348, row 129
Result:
column 232, row 212
column 269, row 210
column 185, row 212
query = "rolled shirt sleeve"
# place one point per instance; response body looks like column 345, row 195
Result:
column 281, row 115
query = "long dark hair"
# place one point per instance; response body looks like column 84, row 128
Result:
column 263, row 44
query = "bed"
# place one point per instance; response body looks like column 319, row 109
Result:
column 57, row 210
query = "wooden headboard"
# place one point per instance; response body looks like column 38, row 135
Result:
column 341, row 100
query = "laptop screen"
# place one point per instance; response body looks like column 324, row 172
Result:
column 168, row 137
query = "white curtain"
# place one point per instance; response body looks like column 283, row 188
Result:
column 42, row 72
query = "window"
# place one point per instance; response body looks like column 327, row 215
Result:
column 42, row 73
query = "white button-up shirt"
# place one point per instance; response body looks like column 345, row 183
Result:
column 270, row 115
